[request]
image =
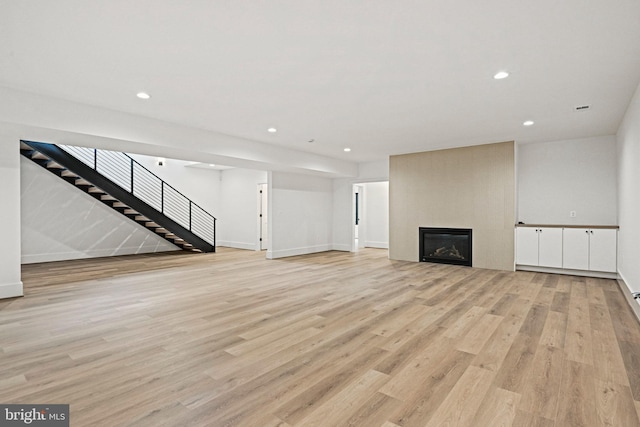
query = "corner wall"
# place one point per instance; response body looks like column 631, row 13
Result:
column 237, row 223
column 628, row 140
column 10, row 274
column 470, row 187
column 300, row 212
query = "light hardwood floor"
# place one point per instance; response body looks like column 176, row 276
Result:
column 331, row 339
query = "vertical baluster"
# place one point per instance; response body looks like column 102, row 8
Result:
column 161, row 196
column 190, row 203
column 131, row 162
column 95, row 159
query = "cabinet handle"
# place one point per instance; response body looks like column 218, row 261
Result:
column 591, row 231
column 586, row 231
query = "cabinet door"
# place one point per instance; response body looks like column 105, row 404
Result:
column 550, row 247
column 526, row 246
column 575, row 248
column 602, row 250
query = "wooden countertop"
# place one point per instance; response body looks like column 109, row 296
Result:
column 615, row 227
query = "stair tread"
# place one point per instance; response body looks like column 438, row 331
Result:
column 38, row 156
column 104, row 196
column 54, row 165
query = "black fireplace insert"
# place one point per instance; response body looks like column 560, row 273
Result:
column 446, row 245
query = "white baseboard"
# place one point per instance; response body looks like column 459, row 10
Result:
column 380, row 245
column 298, row 251
column 237, row 245
column 91, row 253
column 11, row 290
column 584, row 273
column 627, row 292
column 341, row 247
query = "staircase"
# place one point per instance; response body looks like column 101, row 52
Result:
column 123, row 184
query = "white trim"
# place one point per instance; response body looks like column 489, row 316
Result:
column 585, row 273
column 380, row 245
column 11, row 290
column 238, row 245
column 341, row 247
column 298, row 251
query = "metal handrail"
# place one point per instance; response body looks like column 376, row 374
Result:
column 127, row 172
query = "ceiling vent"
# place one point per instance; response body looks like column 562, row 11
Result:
column 579, row 108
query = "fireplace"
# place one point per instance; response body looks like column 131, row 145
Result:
column 445, row 245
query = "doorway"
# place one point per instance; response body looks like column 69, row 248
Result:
column 370, row 215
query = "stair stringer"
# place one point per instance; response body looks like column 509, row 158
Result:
column 133, row 207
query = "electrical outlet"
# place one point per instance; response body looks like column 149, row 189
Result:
column 572, row 214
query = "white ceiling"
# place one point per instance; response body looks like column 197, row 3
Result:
column 382, row 77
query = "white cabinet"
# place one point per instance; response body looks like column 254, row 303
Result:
column 591, row 249
column 603, row 250
column 575, row 254
column 526, row 246
column 539, row 246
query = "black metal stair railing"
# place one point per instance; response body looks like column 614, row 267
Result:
column 129, row 175
column 148, row 187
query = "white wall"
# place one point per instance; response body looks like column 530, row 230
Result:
column 301, row 212
column 10, row 275
column 628, row 139
column 342, row 215
column 200, row 185
column 237, row 223
column 557, row 177
column 60, row 222
column 373, row 170
column 375, row 214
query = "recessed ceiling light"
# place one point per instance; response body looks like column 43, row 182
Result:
column 212, row 165
column 347, row 149
column 143, row 95
column 501, row 75
column 528, row 123
column 272, row 130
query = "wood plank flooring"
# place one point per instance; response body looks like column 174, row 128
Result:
column 330, row 339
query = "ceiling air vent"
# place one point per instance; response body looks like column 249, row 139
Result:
column 579, row 108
